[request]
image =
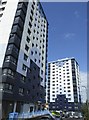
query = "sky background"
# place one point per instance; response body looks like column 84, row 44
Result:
column 67, row 34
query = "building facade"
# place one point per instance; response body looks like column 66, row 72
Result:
column 23, row 54
column 64, row 85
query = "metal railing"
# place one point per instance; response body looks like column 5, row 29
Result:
column 31, row 114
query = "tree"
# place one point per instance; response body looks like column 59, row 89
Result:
column 85, row 110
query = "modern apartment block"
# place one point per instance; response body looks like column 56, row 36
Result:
column 23, row 55
column 64, row 85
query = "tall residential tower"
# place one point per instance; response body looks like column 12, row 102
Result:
column 63, row 85
column 23, row 54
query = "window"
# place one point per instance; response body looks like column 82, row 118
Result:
column 29, row 32
column 21, row 90
column 35, row 52
column 8, row 72
column 36, row 45
column 37, row 38
column 31, row 18
column 34, row 31
column 31, row 52
column 41, row 72
column 10, row 59
column 1, row 15
column 35, row 59
column 12, row 46
column 31, row 12
column 35, row 25
column 3, row 3
column 23, row 78
column 25, row 57
column 8, row 87
column 28, row 40
column 24, row 67
column 28, row 92
column 33, row 37
column 69, row 98
column 37, row 32
column 69, row 94
column 1, row 9
column 26, row 48
column 32, row 45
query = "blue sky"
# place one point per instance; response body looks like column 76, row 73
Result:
column 67, row 31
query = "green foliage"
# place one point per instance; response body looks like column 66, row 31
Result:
column 85, row 110
column 55, row 113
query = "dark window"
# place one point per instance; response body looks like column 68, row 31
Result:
column 42, row 72
column 68, row 90
column 12, row 46
column 1, row 14
column 30, row 24
column 23, row 78
column 42, row 58
column 10, row 59
column 33, row 37
column 1, row 9
column 28, row 39
column 31, row 18
column 31, row 12
column 32, row 44
column 29, row 32
column 8, row 72
column 34, row 31
column 26, row 48
column 42, row 64
column 3, row 3
column 28, row 92
column 25, row 57
column 8, row 87
column 35, row 60
column 21, row 90
column 24, row 67
column 35, row 52
column 35, row 25
column 31, row 52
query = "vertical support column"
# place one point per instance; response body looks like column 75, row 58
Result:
column 14, row 109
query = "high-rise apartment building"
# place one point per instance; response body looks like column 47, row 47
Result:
column 64, row 85
column 23, row 54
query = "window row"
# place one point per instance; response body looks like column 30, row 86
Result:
column 8, row 72
column 10, row 59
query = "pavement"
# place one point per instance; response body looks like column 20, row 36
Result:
column 73, row 119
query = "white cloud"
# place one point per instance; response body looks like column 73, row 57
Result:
column 69, row 35
column 83, row 85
